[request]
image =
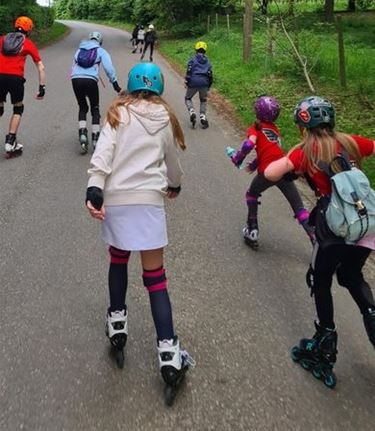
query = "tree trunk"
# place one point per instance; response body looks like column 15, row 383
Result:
column 351, row 5
column 329, row 6
column 247, row 30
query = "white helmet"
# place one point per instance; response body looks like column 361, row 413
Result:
column 95, row 35
column 151, row 27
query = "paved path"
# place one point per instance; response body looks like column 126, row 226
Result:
column 237, row 311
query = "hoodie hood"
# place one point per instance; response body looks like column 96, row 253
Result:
column 152, row 117
column 89, row 44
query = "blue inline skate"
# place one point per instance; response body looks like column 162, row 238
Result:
column 318, row 354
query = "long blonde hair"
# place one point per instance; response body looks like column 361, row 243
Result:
column 320, row 144
column 125, row 99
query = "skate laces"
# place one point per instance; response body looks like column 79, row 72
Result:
column 117, row 314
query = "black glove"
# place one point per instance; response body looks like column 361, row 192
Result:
column 174, row 189
column 116, row 87
column 95, row 196
column 42, row 91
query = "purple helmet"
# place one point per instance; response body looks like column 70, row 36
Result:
column 267, row 108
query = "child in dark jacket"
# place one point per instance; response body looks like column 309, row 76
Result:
column 198, row 78
column 150, row 40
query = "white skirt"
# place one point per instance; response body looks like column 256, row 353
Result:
column 135, row 227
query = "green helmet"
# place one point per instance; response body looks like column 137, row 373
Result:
column 314, row 111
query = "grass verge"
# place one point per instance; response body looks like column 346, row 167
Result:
column 45, row 37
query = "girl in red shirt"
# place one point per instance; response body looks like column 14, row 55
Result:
column 321, row 143
column 264, row 136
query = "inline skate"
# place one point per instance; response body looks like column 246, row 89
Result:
column 193, row 118
column 173, row 364
column 204, row 121
column 83, row 140
column 318, row 354
column 117, row 332
column 250, row 235
column 94, row 139
column 12, row 147
column 369, row 321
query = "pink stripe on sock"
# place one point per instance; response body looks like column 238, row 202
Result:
column 159, row 286
column 119, row 260
column 156, row 273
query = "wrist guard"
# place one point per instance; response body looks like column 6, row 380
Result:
column 95, row 196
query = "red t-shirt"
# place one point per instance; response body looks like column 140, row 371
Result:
column 15, row 64
column 320, row 179
column 268, row 144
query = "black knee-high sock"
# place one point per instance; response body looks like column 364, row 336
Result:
column 156, row 283
column 118, row 278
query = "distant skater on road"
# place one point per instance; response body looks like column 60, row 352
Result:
column 85, row 77
column 323, row 155
column 14, row 49
column 140, row 40
column 150, row 40
column 134, row 168
column 264, row 137
column 198, row 79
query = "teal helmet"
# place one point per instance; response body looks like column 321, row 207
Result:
column 147, row 77
column 314, row 111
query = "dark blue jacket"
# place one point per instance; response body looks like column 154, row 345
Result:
column 199, row 72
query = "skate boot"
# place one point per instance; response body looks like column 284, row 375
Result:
column 250, row 235
column 117, row 332
column 12, row 147
column 94, row 139
column 318, row 354
column 369, row 321
column 204, row 121
column 193, row 117
column 83, row 140
column 173, row 364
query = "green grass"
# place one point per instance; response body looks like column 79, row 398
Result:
column 242, row 83
column 53, row 34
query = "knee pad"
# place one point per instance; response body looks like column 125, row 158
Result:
column 119, row 257
column 18, row 110
column 1, row 111
column 204, row 100
column 188, row 98
column 155, row 280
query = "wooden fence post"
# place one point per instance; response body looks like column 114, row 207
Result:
column 216, row 21
column 340, row 39
column 208, row 23
column 228, row 24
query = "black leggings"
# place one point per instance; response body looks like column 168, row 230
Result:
column 347, row 261
column 260, row 184
column 151, row 45
column 87, row 88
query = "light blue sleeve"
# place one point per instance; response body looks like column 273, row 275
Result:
column 107, row 65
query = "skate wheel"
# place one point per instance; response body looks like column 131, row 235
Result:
column 305, row 365
column 254, row 245
column 316, row 372
column 330, row 381
column 120, row 359
column 295, row 354
column 170, row 395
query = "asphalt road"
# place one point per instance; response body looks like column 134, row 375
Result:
column 238, row 312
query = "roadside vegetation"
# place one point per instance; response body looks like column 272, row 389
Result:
column 272, row 67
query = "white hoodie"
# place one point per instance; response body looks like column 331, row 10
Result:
column 135, row 163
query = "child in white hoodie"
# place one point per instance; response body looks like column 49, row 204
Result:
column 134, row 167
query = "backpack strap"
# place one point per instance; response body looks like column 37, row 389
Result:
column 343, row 160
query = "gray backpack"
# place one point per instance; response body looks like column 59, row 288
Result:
column 13, row 43
column 351, row 210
